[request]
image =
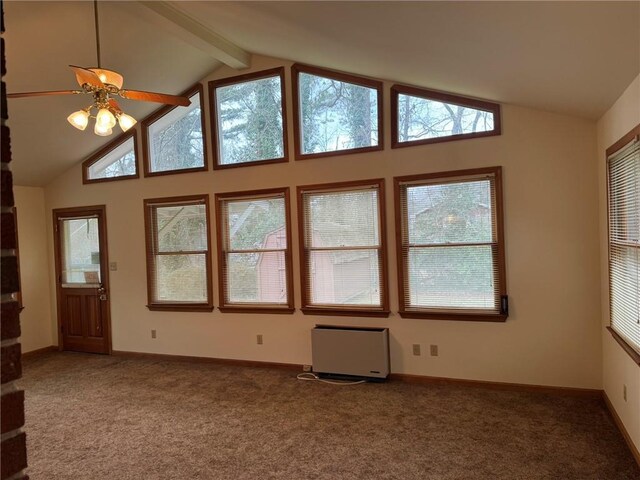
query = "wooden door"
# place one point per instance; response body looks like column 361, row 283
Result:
column 82, row 278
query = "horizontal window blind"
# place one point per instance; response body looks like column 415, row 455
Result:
column 624, row 242
column 451, row 256
column 343, row 248
column 178, row 257
column 255, row 251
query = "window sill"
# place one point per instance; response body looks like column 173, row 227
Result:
column 465, row 317
column 88, row 181
column 248, row 309
column 253, row 163
column 176, row 307
column 335, row 153
column 635, row 356
column 450, row 138
column 345, row 312
column 177, row 171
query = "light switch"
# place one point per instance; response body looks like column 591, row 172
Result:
column 113, row 266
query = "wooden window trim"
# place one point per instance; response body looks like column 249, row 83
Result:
column 247, row 77
column 407, row 311
column 633, row 134
column 635, row 356
column 298, row 68
column 355, row 311
column 108, row 148
column 254, row 308
column 150, row 255
column 161, row 112
column 445, row 98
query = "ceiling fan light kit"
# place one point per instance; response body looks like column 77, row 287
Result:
column 104, row 84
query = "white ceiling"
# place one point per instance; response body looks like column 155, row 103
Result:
column 574, row 58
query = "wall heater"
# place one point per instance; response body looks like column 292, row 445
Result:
column 350, row 351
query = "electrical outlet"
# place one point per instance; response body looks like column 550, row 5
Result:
column 416, row 349
column 259, row 339
column 624, row 392
column 434, row 350
column 113, row 266
column 306, row 368
column 153, row 334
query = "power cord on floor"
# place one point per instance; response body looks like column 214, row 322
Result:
column 312, row 377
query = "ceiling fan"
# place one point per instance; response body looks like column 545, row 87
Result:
column 103, row 85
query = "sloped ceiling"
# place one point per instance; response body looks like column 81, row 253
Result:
column 574, row 58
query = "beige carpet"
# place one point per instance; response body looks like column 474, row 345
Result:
column 99, row 417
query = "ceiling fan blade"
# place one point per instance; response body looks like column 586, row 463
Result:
column 155, row 97
column 84, row 75
column 41, row 94
column 114, row 105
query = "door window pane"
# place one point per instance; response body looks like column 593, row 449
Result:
column 81, row 251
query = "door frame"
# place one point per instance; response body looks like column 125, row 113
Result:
column 61, row 213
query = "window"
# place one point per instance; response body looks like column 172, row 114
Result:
column 173, row 138
column 254, row 251
column 178, row 259
column 623, row 166
column 118, row 160
column 335, row 113
column 248, row 120
column 421, row 116
column 451, row 247
column 342, row 234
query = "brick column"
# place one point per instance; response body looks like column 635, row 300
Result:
column 13, row 459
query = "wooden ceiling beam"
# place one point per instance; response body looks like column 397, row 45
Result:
column 171, row 18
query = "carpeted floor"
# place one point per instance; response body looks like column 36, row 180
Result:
column 99, row 417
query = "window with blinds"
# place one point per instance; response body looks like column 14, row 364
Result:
column 624, row 242
column 343, row 248
column 178, row 253
column 254, row 251
column 451, row 252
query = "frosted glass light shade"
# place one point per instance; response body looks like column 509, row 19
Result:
column 105, row 118
column 126, row 121
column 79, row 119
column 102, row 130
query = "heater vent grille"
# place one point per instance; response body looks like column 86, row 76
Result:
column 351, row 351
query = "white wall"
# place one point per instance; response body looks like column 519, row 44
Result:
column 552, row 336
column 36, row 318
column 618, row 368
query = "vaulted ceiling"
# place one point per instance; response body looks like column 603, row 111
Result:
column 573, row 58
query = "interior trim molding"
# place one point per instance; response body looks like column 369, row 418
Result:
column 223, row 361
column 634, row 450
column 39, row 352
column 517, row 387
column 402, row 377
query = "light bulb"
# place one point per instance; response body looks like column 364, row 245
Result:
column 102, row 131
column 126, row 121
column 105, row 118
column 79, row 119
